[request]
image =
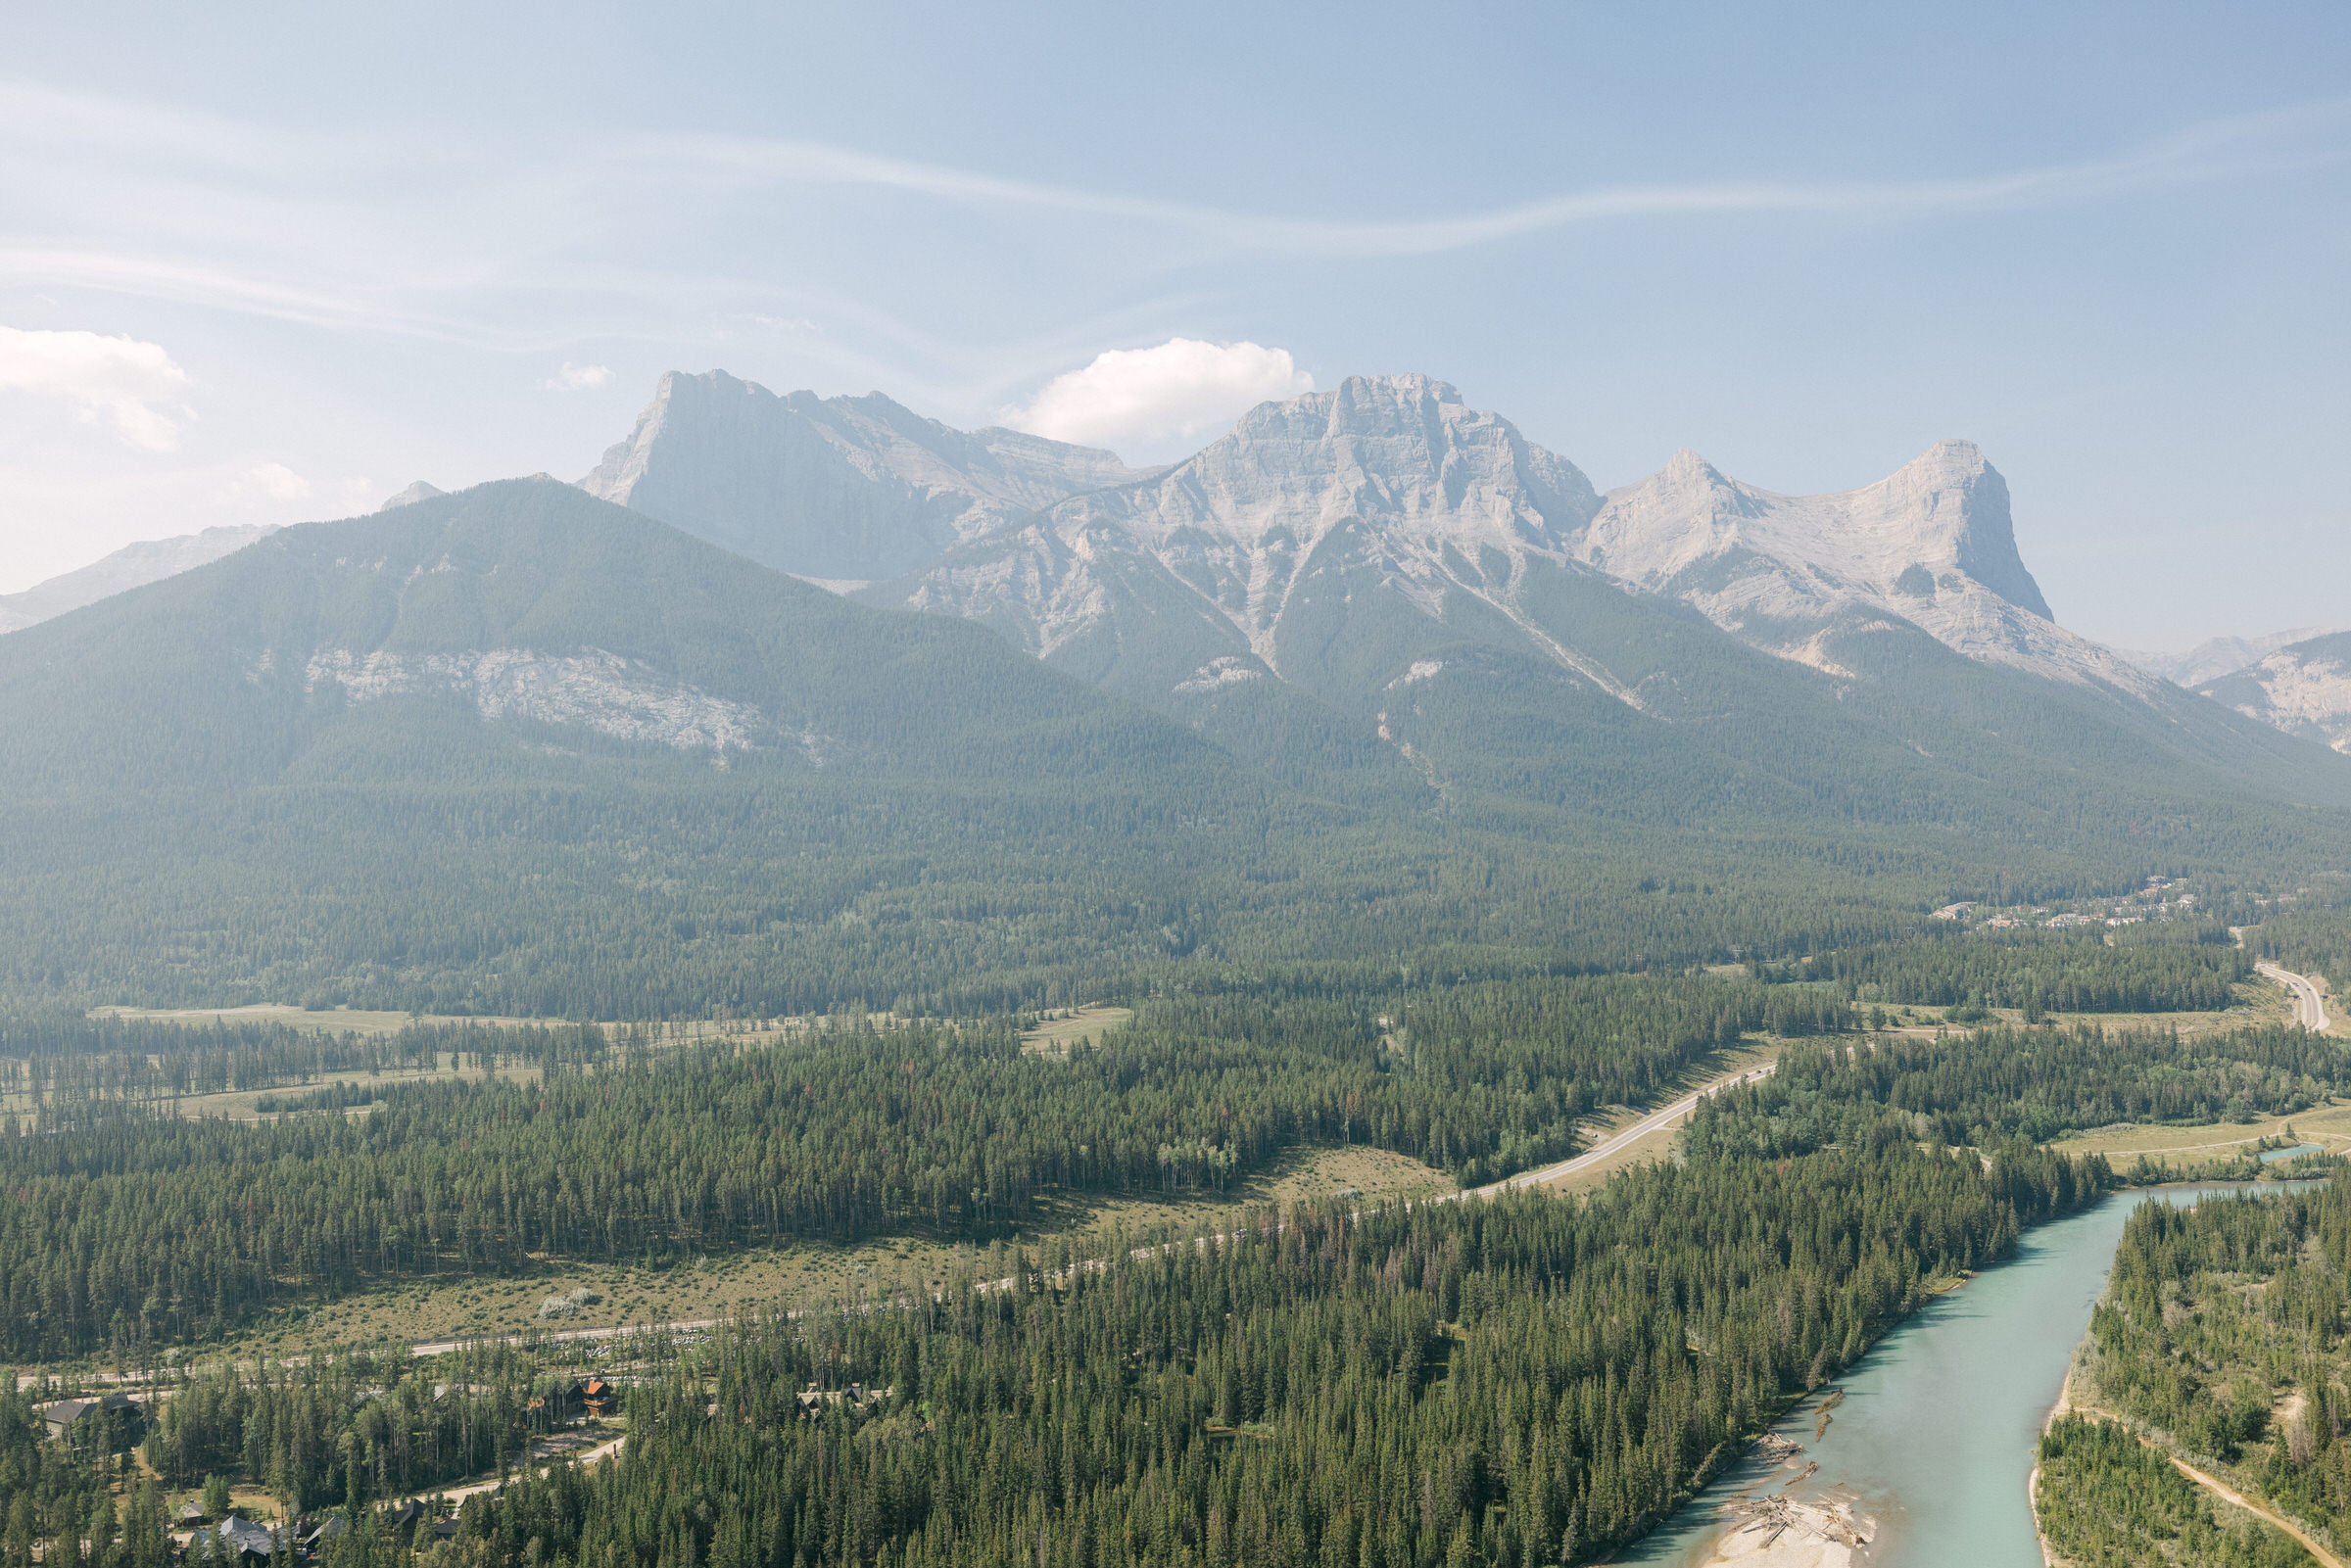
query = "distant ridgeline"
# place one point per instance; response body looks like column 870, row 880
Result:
column 520, row 751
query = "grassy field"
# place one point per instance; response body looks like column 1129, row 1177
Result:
column 715, row 1287
column 2328, row 1125
column 1058, row 1031
column 2257, row 1001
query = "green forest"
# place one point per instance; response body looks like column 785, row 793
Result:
column 2107, row 1501
column 2224, row 1329
column 137, row 1227
column 1521, row 1380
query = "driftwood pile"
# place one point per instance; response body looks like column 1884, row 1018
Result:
column 1777, row 1514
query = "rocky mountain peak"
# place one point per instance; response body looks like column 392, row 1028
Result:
column 1404, row 454
column 838, row 489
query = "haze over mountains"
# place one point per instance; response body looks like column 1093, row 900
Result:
column 1305, row 553
column 131, row 566
column 1372, row 676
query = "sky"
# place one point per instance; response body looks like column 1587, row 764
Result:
column 271, row 263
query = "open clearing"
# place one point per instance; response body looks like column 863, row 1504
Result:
column 1057, row 1033
column 716, row 1287
column 2329, row 1124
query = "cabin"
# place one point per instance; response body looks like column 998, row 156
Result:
column 191, row 1514
column 402, row 1519
column 599, row 1397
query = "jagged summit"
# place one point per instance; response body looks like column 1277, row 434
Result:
column 1933, row 544
column 1403, row 452
column 832, row 488
column 1380, row 489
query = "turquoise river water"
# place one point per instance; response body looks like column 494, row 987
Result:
column 1934, row 1439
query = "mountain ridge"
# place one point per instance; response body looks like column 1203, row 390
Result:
column 132, row 566
column 836, row 488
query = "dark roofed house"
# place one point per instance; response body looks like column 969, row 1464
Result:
column 405, row 1517
column 123, row 1418
column 66, row 1414
column 246, row 1541
column 310, row 1540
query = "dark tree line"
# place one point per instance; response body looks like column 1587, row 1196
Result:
column 2039, row 1084
column 2051, row 972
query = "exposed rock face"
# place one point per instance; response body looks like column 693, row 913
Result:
column 131, row 566
column 1384, row 490
column 1931, row 545
column 623, row 699
column 840, row 489
column 2304, row 688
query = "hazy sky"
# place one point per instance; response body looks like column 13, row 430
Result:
column 272, row 262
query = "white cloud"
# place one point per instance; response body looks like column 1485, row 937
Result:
column 1177, row 391
column 135, row 386
column 577, row 378
column 265, row 482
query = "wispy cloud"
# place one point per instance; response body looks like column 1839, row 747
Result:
column 416, row 235
column 2272, row 142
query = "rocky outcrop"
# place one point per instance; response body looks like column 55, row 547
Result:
column 838, row 489
column 1931, row 545
column 2303, row 689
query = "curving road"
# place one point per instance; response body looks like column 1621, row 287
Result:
column 1655, row 1122
column 2310, row 1003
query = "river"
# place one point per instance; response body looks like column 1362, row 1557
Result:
column 1936, row 1436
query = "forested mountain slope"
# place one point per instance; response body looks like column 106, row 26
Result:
column 524, row 752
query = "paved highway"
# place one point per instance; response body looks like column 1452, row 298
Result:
column 2310, row 1003
column 1653, row 1122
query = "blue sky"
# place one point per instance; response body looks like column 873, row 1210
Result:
column 271, row 263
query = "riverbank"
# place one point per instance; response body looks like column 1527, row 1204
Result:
column 1931, row 1450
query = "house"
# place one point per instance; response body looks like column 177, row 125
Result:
column 244, row 1542
column 117, row 1415
column 446, row 1529
column 403, row 1518
column 191, row 1514
column 599, row 1397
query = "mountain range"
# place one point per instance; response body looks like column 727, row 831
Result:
column 1372, row 676
column 1305, row 575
